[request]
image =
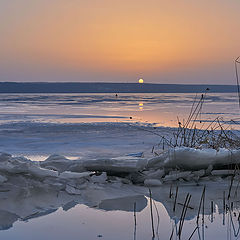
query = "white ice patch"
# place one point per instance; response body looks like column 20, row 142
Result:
column 191, row 158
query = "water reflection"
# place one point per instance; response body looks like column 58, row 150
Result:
column 212, row 216
column 78, row 108
column 140, row 106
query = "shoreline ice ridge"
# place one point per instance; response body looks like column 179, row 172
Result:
column 176, row 164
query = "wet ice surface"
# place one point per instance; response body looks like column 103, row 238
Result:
column 80, row 125
column 107, row 212
column 93, row 127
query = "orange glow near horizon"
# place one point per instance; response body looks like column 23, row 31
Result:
column 125, row 37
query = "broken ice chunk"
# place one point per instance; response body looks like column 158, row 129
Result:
column 75, row 175
column 176, row 175
column 58, row 162
column 152, row 182
column 224, row 172
column 2, row 179
column 139, row 154
column 115, row 165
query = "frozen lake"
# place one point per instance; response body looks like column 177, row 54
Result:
column 96, row 126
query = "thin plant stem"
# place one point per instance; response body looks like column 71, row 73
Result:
column 151, row 211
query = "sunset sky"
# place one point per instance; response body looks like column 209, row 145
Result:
column 175, row 41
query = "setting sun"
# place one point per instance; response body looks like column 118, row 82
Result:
column 140, row 80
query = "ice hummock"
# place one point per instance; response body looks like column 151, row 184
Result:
column 192, row 158
column 191, row 164
column 181, row 163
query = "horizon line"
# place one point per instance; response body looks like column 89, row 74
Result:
column 145, row 83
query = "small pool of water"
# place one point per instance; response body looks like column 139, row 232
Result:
column 114, row 212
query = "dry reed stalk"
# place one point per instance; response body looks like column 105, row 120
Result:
column 185, row 211
column 231, row 183
column 171, row 236
column 203, row 205
column 200, row 204
column 237, row 60
column 151, row 211
column 170, row 192
column 211, row 211
column 193, row 232
column 135, row 220
column 175, row 199
column 183, row 214
column 158, row 218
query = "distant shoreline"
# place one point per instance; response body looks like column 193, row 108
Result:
column 106, row 87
